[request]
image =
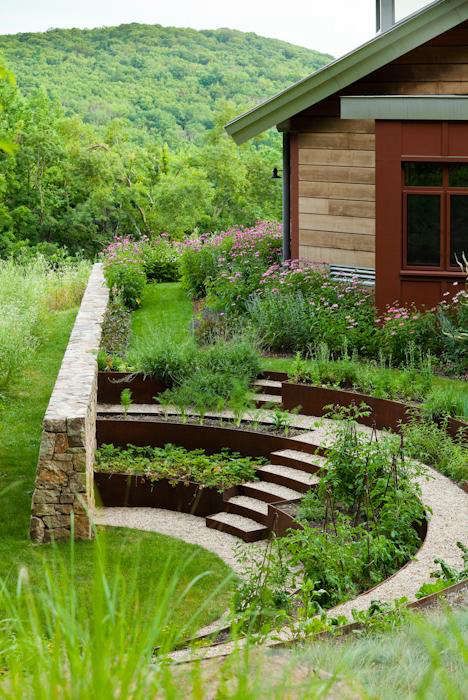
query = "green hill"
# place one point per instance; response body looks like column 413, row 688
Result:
column 164, row 81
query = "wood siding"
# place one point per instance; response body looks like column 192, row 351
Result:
column 333, row 166
column 336, row 185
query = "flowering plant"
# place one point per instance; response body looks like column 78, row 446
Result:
column 123, row 269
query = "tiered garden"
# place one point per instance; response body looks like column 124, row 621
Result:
column 194, row 329
column 195, row 335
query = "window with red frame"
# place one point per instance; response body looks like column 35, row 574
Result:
column 435, row 211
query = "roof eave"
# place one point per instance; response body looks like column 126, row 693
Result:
column 376, row 53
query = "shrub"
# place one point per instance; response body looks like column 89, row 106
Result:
column 164, row 358
column 358, row 524
column 124, row 271
column 160, row 260
column 445, row 401
column 430, row 443
column 227, row 267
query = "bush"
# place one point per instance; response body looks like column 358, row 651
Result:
column 116, row 327
column 160, row 261
column 430, row 443
column 164, row 358
column 124, row 271
column 445, row 401
column 227, row 267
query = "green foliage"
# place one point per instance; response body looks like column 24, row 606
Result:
column 135, row 72
column 126, row 400
column 430, row 443
column 124, row 270
column 160, row 261
column 115, row 327
column 297, row 307
column 358, row 525
column 178, row 465
column 444, row 401
column 227, row 267
column 446, row 575
column 29, row 292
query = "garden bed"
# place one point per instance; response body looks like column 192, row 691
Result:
column 385, row 413
column 143, row 388
column 130, row 490
column 155, row 431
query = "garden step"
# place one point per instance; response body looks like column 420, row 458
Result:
column 248, row 507
column 264, row 399
column 287, row 476
column 239, row 526
column 298, row 460
column 269, row 492
column 270, row 386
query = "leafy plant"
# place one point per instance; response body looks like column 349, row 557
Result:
column 430, row 443
column 446, row 575
column 126, row 400
column 179, row 465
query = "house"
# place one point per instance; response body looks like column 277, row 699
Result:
column 375, row 155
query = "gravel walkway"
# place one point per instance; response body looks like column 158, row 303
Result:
column 448, row 523
column 189, row 528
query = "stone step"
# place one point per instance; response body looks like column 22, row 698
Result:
column 248, row 507
column 269, row 386
column 288, row 476
column 269, row 492
column 239, row 526
column 265, row 399
column 298, row 460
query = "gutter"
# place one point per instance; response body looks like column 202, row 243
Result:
column 286, row 197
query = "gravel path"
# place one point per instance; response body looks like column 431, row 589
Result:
column 448, row 523
column 189, row 528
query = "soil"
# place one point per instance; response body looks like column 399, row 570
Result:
column 208, row 422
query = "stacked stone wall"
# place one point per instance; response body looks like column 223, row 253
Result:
column 64, row 479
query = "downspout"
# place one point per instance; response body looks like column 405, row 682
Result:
column 286, row 198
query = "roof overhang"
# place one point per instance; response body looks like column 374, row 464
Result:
column 421, row 107
column 439, row 17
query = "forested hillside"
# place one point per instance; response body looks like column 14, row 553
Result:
column 163, row 80
column 119, row 131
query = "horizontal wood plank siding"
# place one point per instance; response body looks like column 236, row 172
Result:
column 336, row 158
column 337, row 192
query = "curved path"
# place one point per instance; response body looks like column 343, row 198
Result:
column 448, row 523
column 189, row 528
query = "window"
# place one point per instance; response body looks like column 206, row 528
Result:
column 435, row 199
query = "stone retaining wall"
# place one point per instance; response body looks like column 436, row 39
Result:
column 64, row 480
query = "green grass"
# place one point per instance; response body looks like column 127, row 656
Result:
column 21, row 415
column 165, row 310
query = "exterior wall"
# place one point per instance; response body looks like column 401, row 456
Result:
column 336, row 192
column 403, row 141
column 333, row 166
column 64, row 480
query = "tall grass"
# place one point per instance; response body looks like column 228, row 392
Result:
column 28, row 293
column 51, row 647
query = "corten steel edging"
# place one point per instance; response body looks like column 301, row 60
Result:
column 131, row 491
column 385, row 413
column 152, row 433
column 144, row 389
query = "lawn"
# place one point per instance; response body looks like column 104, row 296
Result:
column 165, row 310
column 21, row 414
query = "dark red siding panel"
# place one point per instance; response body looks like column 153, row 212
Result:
column 421, row 139
column 457, row 139
column 388, row 212
column 395, row 143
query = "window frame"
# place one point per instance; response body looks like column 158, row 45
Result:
column 445, row 193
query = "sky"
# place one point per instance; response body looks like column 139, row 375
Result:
column 331, row 26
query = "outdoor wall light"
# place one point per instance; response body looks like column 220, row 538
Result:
column 276, row 174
